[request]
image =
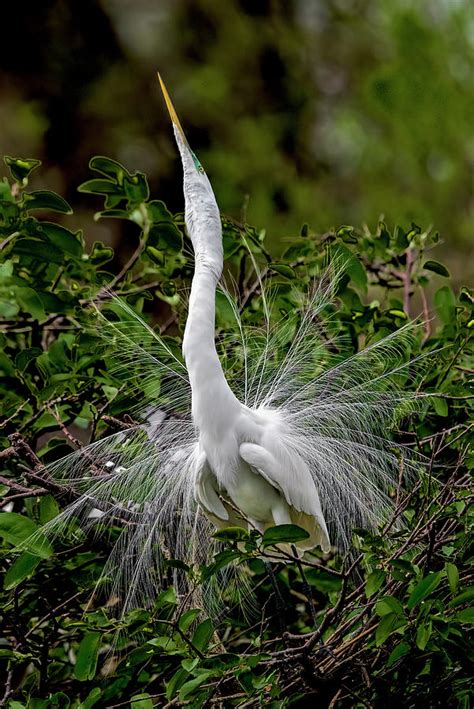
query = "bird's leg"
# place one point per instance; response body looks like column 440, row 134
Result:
column 306, row 586
column 279, row 600
column 281, row 513
column 309, row 595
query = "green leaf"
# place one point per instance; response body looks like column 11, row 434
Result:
column 68, row 241
column 91, row 699
column 388, row 625
column 8, row 310
column 166, row 598
column 188, row 618
column 108, row 167
column 48, row 509
column 346, row 233
column 374, row 581
column 225, row 313
column 158, row 212
column 87, row 654
column 189, row 664
column 400, row 238
column 388, row 604
column 100, row 254
column 156, row 256
column 288, row 533
column 20, row 530
column 112, row 214
column 423, row 634
column 35, row 249
column 176, row 564
column 6, row 271
column 231, row 534
column 398, row 313
column 466, row 616
column 345, row 260
column 21, row 168
column 6, row 192
column 231, row 240
column 6, row 365
column 284, row 270
column 383, row 240
column 166, row 643
column 323, row 580
column 24, row 357
column 440, row 406
column 464, row 597
column 466, row 296
column 398, row 652
column 189, row 687
column 203, row 634
column 176, row 681
column 221, row 560
column 30, row 302
column 436, row 267
column 58, row 700
column 424, row 588
column 9, row 211
column 136, row 188
column 141, row 701
column 100, row 187
column 165, row 236
column 445, row 304
column 42, row 199
column 453, row 576
column 20, row 570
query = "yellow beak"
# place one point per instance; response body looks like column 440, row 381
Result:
column 171, row 109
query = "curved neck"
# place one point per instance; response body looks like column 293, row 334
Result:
column 213, row 402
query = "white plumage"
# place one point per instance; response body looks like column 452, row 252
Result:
column 242, row 462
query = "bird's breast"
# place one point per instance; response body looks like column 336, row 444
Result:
column 252, row 494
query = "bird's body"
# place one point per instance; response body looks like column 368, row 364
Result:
column 245, row 478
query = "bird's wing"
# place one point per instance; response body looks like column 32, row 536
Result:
column 292, row 480
column 215, row 504
column 206, row 489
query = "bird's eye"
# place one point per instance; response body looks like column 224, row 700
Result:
column 197, row 164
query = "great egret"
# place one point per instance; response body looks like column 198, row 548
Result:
column 244, row 461
column 300, row 440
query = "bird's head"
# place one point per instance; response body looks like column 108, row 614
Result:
column 201, row 211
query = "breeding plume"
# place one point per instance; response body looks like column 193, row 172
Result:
column 299, row 438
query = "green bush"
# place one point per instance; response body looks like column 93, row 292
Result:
column 387, row 625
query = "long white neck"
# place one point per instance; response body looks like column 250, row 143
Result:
column 213, row 402
column 212, row 399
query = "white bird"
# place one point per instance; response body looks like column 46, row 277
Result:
column 244, row 462
column 299, row 439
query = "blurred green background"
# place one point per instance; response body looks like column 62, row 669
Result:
column 327, row 112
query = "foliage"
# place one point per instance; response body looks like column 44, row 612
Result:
column 387, row 624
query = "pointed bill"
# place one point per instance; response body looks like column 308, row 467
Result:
column 171, row 109
column 175, row 120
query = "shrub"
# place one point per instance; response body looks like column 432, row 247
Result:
column 387, row 625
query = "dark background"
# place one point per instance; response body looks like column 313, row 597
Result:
column 326, row 112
